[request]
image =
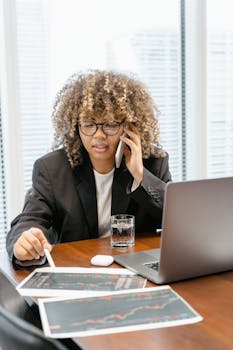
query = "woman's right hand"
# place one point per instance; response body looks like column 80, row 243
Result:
column 30, row 245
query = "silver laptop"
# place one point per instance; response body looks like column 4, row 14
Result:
column 197, row 233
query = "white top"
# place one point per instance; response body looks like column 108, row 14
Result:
column 103, row 184
column 104, row 201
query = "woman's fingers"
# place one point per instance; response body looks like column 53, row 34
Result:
column 30, row 245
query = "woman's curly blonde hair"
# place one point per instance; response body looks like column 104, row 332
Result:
column 109, row 95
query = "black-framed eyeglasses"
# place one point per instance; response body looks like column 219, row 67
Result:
column 108, row 128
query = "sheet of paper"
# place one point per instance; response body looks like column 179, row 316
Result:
column 123, row 311
column 78, row 281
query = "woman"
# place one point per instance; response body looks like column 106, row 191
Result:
column 76, row 188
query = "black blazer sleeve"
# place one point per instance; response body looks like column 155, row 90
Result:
column 54, row 204
column 150, row 194
column 38, row 208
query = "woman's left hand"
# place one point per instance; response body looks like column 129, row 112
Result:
column 133, row 153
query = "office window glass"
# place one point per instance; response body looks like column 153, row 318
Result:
column 57, row 38
column 3, row 212
column 220, row 87
column 32, row 65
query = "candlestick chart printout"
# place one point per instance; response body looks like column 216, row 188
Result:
column 67, row 281
column 121, row 311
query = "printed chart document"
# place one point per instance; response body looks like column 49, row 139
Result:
column 78, row 281
column 121, row 311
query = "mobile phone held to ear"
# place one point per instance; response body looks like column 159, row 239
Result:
column 119, row 153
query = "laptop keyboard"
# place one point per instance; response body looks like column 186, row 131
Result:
column 153, row 265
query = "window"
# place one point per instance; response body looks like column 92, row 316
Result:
column 144, row 41
column 220, row 88
column 3, row 211
column 32, row 66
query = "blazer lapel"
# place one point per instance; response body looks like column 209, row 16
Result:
column 120, row 201
column 85, row 184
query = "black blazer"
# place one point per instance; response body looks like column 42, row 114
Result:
column 62, row 201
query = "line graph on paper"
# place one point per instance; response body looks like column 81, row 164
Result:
column 83, row 281
column 119, row 310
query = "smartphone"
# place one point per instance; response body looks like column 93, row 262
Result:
column 119, row 153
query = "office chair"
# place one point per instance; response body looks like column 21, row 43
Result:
column 20, row 326
column 17, row 334
column 11, row 300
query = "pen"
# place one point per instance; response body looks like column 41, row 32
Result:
column 159, row 230
column 49, row 257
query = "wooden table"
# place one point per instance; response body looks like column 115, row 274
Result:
column 211, row 296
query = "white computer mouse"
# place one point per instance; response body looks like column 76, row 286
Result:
column 102, row 260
